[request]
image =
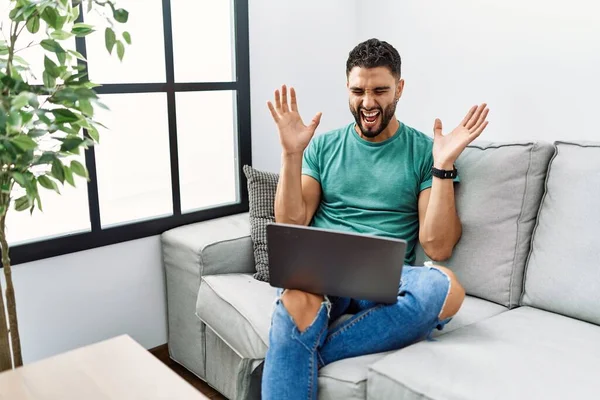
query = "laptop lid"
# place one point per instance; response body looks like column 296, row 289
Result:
column 335, row 263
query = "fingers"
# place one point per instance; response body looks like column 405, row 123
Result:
column 273, row 112
column 437, row 128
column 293, row 97
column 315, row 122
column 468, row 116
column 277, row 101
column 284, row 99
column 478, row 131
column 475, row 117
column 480, row 120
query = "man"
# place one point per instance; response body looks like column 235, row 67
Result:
column 372, row 176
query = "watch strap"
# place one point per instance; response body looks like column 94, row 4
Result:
column 444, row 173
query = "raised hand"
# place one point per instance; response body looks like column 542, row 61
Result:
column 293, row 134
column 447, row 148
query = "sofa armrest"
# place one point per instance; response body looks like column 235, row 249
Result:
column 218, row 246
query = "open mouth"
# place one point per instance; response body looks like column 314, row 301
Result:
column 370, row 118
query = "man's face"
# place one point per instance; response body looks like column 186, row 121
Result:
column 374, row 93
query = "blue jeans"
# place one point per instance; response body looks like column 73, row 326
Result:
column 294, row 358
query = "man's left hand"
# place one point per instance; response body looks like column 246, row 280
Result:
column 447, row 148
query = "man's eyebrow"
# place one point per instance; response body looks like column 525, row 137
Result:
column 377, row 88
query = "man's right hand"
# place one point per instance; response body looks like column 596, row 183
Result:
column 293, row 134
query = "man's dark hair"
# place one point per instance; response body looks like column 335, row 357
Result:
column 374, row 53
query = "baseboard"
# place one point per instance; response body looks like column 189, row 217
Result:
column 162, row 353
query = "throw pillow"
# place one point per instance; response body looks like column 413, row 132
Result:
column 261, row 192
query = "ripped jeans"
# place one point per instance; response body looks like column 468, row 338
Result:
column 293, row 358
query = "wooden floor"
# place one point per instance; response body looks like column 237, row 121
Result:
column 162, row 353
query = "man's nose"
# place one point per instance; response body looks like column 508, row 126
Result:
column 369, row 102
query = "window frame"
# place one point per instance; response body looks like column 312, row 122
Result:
column 98, row 236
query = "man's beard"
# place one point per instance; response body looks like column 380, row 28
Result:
column 386, row 116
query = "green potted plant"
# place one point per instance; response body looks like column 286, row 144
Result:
column 42, row 125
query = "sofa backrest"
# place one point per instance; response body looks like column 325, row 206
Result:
column 497, row 201
column 563, row 270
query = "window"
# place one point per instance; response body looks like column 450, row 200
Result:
column 177, row 131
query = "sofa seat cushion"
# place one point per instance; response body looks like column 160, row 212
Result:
column 525, row 353
column 472, row 310
column 238, row 307
column 347, row 379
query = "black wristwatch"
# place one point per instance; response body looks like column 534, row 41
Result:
column 443, row 173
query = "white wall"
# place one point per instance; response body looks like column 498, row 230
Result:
column 304, row 44
column 73, row 300
column 77, row 299
column 535, row 62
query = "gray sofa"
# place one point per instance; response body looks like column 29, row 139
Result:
column 529, row 259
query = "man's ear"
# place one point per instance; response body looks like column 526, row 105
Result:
column 399, row 88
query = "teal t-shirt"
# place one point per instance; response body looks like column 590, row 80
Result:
column 371, row 188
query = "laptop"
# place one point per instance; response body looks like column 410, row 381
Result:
column 328, row 262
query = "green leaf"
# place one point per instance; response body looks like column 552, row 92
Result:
column 79, row 169
column 16, row 14
column 61, row 35
column 93, row 132
column 50, row 16
column 46, row 158
column 52, row 45
column 86, row 93
column 24, row 142
column 14, row 120
column 77, row 54
column 121, row 15
column 34, row 101
column 101, row 104
column 68, row 144
column 49, row 80
column 22, row 203
column 21, row 60
column 81, row 30
column 57, row 170
column 28, row 9
column 21, row 100
column 43, row 117
column 48, row 183
column 127, row 37
column 65, row 95
column 69, row 176
column 120, row 50
column 33, row 24
column 27, row 116
column 64, row 115
column 109, row 39
column 51, row 67
column 35, row 133
column 75, row 12
column 3, row 119
column 86, row 107
column 5, row 188
column 62, row 58
column 60, row 21
column 19, row 178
